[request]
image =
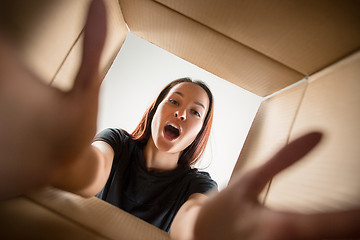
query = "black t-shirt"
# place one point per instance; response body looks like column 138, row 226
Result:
column 152, row 196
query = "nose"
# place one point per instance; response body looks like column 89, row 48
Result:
column 181, row 114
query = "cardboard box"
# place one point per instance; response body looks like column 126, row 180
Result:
column 260, row 46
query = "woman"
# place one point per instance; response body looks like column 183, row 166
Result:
column 54, row 143
column 151, row 175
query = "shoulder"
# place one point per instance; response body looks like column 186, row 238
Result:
column 111, row 133
column 201, row 182
column 114, row 137
column 195, row 173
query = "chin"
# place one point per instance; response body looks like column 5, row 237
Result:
column 163, row 145
column 168, row 146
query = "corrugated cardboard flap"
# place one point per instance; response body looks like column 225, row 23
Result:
column 37, row 215
column 327, row 178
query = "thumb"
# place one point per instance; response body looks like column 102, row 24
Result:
column 94, row 40
column 257, row 179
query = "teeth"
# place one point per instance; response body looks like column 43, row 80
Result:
column 173, row 125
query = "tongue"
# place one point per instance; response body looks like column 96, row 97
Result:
column 170, row 132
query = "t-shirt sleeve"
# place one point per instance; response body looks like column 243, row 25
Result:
column 112, row 136
column 117, row 139
column 202, row 183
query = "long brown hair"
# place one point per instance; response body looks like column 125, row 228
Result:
column 194, row 151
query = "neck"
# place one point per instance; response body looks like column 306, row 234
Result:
column 158, row 160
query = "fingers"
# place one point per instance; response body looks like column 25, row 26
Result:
column 94, row 40
column 291, row 153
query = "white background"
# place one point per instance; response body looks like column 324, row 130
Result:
column 139, row 73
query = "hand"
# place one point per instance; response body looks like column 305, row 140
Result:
column 235, row 213
column 43, row 128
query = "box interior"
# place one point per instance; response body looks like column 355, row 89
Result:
column 260, row 46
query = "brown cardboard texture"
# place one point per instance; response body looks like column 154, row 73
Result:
column 304, row 36
column 207, row 48
column 258, row 45
column 327, row 179
column 56, row 214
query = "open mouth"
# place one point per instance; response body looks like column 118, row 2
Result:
column 171, row 132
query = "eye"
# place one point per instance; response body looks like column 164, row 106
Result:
column 196, row 113
column 173, row 102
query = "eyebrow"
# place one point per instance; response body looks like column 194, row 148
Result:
column 200, row 104
column 179, row 93
column 197, row 103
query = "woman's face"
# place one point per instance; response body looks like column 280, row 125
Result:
column 179, row 117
